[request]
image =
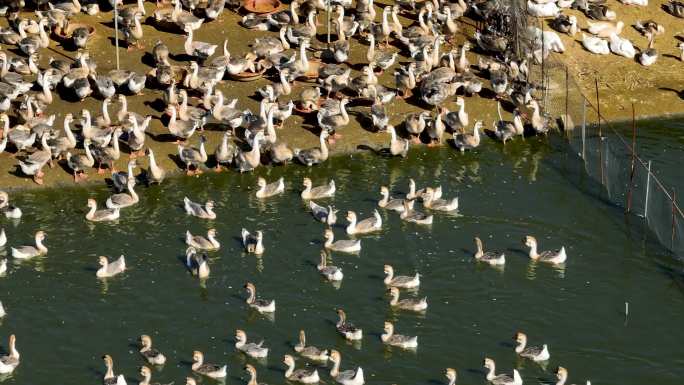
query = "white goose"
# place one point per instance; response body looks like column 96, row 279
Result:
column 347, row 377
column 201, row 243
column 110, row 269
column 400, row 281
column 27, row 252
column 398, row 340
column 267, row 190
column 364, row 226
column 104, row 215
column 199, row 211
column 549, row 256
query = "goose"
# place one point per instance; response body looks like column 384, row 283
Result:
column 299, row 33
column 27, row 252
column 344, row 246
column 253, row 243
column 314, row 155
column 604, row 28
column 199, row 211
column 122, row 200
column 388, row 203
column 398, row 146
column 251, row 369
column 34, row 163
column 595, row 45
column 542, row 10
column 249, row 348
column 193, row 157
column 146, row 374
column 451, row 375
column 106, row 156
column 420, row 194
column 109, row 377
column 136, row 136
column 401, row 281
column 104, row 215
column 318, row 192
column 201, row 243
column 347, row 377
column 21, row 137
column 310, row 352
column 347, row 329
column 491, row 257
column 198, row 49
column 190, row 113
column 110, row 269
column 11, row 212
column 535, row 353
column 621, row 46
column 207, row 369
column 411, row 215
column 3, row 267
column 3, row 240
column 675, row 8
column 468, row 141
column 268, row 190
column 506, row 130
column 600, row 12
column 562, row 376
column 225, row 151
column 411, row 304
column 331, row 273
column 364, row 226
column 415, row 124
column 436, row 129
column 260, row 305
column 198, row 265
column 300, row 375
column 431, row 203
column 681, row 48
column 151, row 355
column 379, row 116
column 331, row 123
column 398, row 340
column 180, row 128
column 326, row 215
column 101, row 137
column 155, row 174
column 249, row 160
column 10, row 361
column 405, row 80
column 649, row 56
column 565, row 24
column 501, row 379
column 549, row 256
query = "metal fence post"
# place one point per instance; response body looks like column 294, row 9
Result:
column 648, row 190
column 584, row 127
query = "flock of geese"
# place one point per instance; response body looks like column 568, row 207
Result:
column 432, row 75
column 197, row 264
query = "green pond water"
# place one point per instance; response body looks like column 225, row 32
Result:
column 65, row 319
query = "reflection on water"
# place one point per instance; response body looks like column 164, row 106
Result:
column 57, row 308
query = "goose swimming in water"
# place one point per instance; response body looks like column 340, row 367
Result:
column 260, row 305
column 122, row 200
column 318, row 192
column 197, row 264
column 109, row 377
column 153, row 356
column 431, row 203
column 110, row 269
column 501, row 379
column 201, row 243
column 411, row 215
column 300, row 375
column 3, row 238
column 398, row 340
column 206, row 369
column 400, row 281
column 26, row 252
column 11, row 212
column 249, row 348
column 311, row 352
column 550, row 256
column 364, row 226
column 562, row 376
column 104, row 215
column 331, row 273
column 326, row 215
column 451, row 375
column 343, row 245
column 253, row 243
column 388, row 203
column 199, row 211
column 10, row 361
column 411, row 304
column 267, row 190
column 347, row 377
column 347, row 329
column 490, row 257
column 535, row 353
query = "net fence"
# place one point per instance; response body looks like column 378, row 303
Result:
column 627, row 180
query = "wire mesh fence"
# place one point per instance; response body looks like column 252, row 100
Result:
column 608, row 157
